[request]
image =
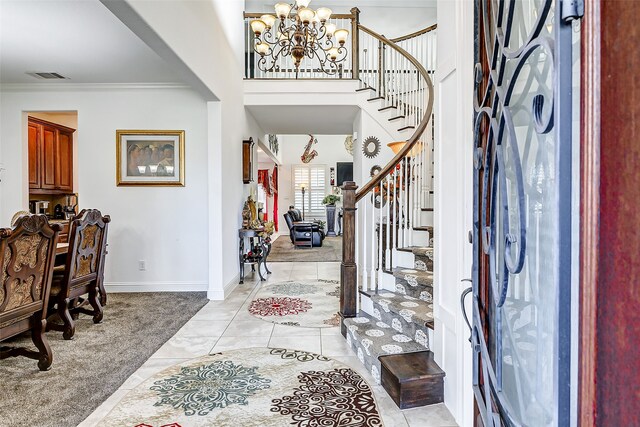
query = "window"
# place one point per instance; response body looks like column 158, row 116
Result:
column 314, row 180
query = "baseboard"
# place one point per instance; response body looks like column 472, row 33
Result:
column 156, row 287
column 219, row 295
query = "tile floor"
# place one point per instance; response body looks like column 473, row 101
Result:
column 225, row 325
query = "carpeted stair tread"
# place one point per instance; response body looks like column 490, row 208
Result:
column 421, row 278
column 371, row 338
column 411, row 309
column 413, row 282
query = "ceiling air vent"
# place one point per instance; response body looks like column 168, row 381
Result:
column 48, row 76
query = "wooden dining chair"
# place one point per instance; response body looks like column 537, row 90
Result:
column 82, row 273
column 27, row 255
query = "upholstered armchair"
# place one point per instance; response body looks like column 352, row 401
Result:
column 27, row 256
column 83, row 272
column 301, row 232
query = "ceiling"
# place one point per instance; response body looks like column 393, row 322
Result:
column 79, row 39
column 305, row 119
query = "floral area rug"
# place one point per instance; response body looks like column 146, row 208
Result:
column 251, row 387
column 310, row 304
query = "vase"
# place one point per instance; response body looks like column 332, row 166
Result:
column 331, row 220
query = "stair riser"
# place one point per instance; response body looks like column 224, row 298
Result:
column 369, row 360
column 423, row 263
column 416, row 329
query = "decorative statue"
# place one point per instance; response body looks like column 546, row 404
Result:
column 308, row 154
column 246, row 215
column 252, row 209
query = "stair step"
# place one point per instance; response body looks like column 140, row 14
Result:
column 364, row 89
column 396, row 118
column 388, row 107
column 415, row 283
column 423, row 228
column 406, row 128
column 416, row 314
column 426, row 209
column 375, row 99
column 423, row 258
column 370, row 338
column 413, row 379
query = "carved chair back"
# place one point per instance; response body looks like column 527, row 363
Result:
column 27, row 255
column 87, row 249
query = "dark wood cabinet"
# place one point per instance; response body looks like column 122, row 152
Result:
column 34, row 157
column 50, row 157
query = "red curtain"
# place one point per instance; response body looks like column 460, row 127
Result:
column 274, row 176
column 263, row 179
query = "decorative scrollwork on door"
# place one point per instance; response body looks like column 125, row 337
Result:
column 517, row 169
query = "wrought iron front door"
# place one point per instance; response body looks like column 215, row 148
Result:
column 522, row 213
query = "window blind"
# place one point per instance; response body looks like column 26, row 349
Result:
column 314, row 180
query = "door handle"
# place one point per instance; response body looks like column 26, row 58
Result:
column 464, row 309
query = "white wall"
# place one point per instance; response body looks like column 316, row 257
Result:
column 196, row 33
column 330, row 150
column 453, row 201
column 165, row 226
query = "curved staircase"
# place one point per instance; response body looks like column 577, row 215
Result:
column 387, row 282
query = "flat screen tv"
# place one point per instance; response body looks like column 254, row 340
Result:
column 344, row 172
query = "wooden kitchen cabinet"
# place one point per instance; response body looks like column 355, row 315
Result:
column 50, row 157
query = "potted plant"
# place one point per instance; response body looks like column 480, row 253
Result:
column 330, row 202
column 330, row 199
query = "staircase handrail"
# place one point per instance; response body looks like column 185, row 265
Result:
column 415, row 34
column 413, row 140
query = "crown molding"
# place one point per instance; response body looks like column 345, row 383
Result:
column 62, row 87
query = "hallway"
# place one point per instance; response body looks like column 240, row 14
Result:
column 227, row 325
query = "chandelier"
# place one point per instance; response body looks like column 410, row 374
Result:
column 299, row 32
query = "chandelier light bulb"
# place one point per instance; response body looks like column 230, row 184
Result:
column 282, row 10
column 306, row 15
column 302, row 3
column 341, row 36
column 258, row 26
column 269, row 20
column 330, row 29
column 323, row 13
column 262, row 49
column 333, row 53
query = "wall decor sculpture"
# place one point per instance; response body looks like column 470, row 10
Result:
column 371, row 147
column 273, row 144
column 309, row 154
column 348, row 144
column 375, row 170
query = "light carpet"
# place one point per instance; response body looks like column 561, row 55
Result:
column 250, row 387
column 309, row 304
column 89, row 368
column 282, row 250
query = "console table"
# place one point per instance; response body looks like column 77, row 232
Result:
column 261, row 247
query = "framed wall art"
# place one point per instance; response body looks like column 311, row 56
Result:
column 150, row 157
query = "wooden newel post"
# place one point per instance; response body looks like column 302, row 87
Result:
column 348, row 268
column 355, row 44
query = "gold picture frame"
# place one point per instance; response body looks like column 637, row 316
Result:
column 150, row 158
